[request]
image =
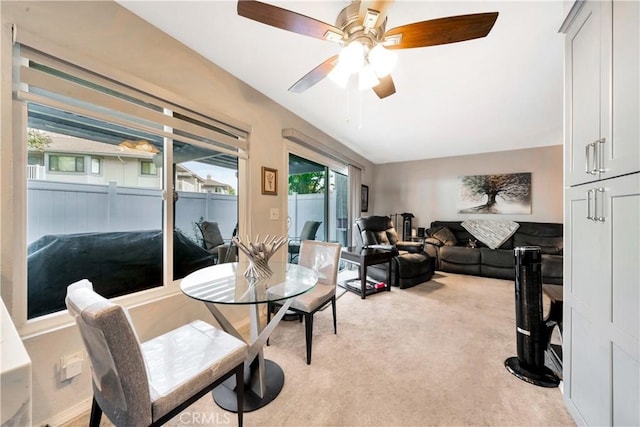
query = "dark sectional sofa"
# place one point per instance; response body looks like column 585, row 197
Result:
column 456, row 257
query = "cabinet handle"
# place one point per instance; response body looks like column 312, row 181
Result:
column 594, row 157
column 589, row 192
column 587, row 156
column 600, row 155
column 598, row 218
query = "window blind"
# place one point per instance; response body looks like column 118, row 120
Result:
column 63, row 95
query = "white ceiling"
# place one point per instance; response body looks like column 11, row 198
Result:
column 501, row 92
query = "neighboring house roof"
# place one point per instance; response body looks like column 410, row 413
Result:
column 70, row 144
column 206, row 183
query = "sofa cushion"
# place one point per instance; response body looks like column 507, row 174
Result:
column 548, row 245
column 492, row 233
column 460, row 255
column 497, row 258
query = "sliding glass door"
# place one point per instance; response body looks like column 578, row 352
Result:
column 317, row 194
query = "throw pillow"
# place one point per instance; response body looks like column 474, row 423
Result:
column 433, row 241
column 445, row 236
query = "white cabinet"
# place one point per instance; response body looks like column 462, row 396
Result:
column 601, row 336
column 601, row 302
column 602, row 90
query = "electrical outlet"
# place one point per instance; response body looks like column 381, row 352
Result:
column 275, row 214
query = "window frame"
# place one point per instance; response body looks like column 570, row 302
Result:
column 17, row 293
column 151, row 166
column 91, row 163
column 78, row 160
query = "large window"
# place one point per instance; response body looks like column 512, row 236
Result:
column 102, row 159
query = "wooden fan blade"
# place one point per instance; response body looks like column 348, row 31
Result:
column 380, row 6
column 315, row 75
column 385, row 87
column 285, row 19
column 443, row 30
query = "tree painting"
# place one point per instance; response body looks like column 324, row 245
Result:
column 495, row 194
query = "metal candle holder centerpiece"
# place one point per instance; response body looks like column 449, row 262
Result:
column 259, row 254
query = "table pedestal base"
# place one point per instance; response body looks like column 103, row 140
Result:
column 225, row 397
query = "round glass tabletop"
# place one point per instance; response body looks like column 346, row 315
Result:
column 226, row 283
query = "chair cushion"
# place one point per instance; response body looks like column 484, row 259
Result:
column 317, row 296
column 187, row 359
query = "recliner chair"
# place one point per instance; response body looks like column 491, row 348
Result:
column 410, row 265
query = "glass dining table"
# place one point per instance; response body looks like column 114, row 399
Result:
column 225, row 284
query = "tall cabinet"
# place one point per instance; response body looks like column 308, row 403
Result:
column 601, row 337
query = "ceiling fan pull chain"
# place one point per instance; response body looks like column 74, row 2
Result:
column 360, row 109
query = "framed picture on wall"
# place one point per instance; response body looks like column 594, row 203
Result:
column 364, row 198
column 508, row 193
column 269, row 181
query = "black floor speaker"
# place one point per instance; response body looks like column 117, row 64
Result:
column 531, row 331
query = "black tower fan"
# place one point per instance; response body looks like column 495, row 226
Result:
column 531, row 331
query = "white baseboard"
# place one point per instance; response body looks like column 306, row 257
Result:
column 69, row 414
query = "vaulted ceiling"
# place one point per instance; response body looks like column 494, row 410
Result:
column 500, row 92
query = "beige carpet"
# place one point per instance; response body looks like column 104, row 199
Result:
column 429, row 355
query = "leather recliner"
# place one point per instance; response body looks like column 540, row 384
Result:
column 410, row 265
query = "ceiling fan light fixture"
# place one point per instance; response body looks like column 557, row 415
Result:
column 352, row 57
column 382, row 60
column 367, row 78
column 339, row 76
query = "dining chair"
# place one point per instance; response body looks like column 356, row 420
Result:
column 149, row 383
column 309, row 230
column 212, row 239
column 322, row 257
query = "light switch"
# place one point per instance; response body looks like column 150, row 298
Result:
column 70, row 366
column 275, row 214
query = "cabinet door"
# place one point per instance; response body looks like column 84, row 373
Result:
column 623, row 151
column 587, row 70
column 601, row 344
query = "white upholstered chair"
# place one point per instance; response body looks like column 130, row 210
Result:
column 136, row 384
column 324, row 258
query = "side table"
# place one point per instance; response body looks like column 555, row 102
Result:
column 364, row 258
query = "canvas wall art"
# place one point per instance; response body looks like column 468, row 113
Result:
column 495, row 194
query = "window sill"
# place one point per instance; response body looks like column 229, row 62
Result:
column 61, row 320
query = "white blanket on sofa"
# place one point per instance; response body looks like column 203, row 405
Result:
column 492, row 233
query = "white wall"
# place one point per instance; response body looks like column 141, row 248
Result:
column 126, row 47
column 429, row 188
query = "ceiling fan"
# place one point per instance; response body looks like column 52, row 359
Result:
column 360, row 28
